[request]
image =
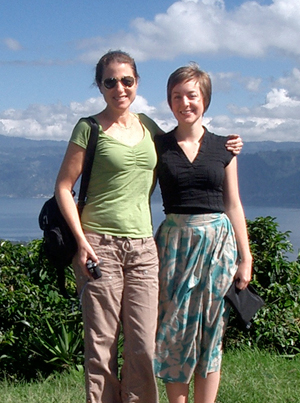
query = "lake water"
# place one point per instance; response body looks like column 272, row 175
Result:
column 19, row 219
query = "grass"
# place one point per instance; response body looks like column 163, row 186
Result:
column 59, row 388
column 247, row 376
column 259, row 377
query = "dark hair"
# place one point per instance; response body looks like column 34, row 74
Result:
column 114, row 56
column 189, row 73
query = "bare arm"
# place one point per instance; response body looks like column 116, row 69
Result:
column 235, row 212
column 70, row 171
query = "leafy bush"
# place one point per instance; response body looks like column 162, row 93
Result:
column 41, row 331
column 277, row 325
column 30, row 304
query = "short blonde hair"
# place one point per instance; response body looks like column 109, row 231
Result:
column 189, row 73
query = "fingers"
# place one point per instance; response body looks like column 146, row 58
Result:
column 241, row 284
column 236, row 150
column 84, row 253
column 235, row 139
column 234, row 144
column 92, row 255
column 243, row 275
column 233, row 136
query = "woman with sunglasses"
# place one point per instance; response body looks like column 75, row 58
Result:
column 202, row 244
column 115, row 228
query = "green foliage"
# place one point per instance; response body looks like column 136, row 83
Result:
column 42, row 332
column 277, row 325
column 29, row 303
column 62, row 347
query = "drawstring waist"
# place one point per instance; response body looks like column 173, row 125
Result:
column 127, row 242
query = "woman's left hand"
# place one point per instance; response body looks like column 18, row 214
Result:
column 234, row 143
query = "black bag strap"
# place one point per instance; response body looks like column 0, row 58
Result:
column 88, row 163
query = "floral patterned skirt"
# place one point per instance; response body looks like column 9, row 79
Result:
column 198, row 256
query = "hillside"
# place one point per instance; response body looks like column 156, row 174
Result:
column 269, row 172
column 270, row 178
column 28, row 168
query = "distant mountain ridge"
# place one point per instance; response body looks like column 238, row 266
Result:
column 269, row 172
column 252, row 147
column 8, row 142
column 28, row 168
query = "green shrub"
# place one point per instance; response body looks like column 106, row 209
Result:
column 30, row 302
column 277, row 325
column 42, row 332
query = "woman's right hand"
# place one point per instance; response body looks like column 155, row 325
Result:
column 84, row 253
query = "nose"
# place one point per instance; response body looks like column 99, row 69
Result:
column 119, row 86
column 185, row 100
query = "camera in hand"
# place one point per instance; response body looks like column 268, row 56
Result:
column 94, row 269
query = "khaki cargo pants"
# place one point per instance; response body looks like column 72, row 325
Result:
column 126, row 296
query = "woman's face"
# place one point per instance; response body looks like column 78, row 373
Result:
column 120, row 77
column 187, row 102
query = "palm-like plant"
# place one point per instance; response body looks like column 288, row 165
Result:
column 64, row 346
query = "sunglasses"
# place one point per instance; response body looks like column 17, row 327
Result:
column 126, row 81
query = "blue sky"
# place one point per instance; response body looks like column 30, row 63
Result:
column 49, row 49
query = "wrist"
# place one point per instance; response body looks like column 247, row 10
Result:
column 81, row 241
column 247, row 258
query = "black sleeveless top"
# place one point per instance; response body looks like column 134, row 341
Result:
column 192, row 187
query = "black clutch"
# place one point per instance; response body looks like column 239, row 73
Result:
column 245, row 303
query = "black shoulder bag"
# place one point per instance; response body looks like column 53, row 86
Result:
column 59, row 243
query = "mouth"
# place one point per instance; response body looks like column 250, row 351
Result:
column 186, row 112
column 121, row 98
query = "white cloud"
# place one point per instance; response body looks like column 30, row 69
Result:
column 202, row 26
column 141, row 105
column 52, row 122
column 291, row 82
column 253, row 84
column 279, row 104
column 55, row 122
column 279, row 98
column 278, row 119
column 253, row 128
column 161, row 114
column 12, row 44
column 222, row 81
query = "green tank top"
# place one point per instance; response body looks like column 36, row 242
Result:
column 118, row 196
